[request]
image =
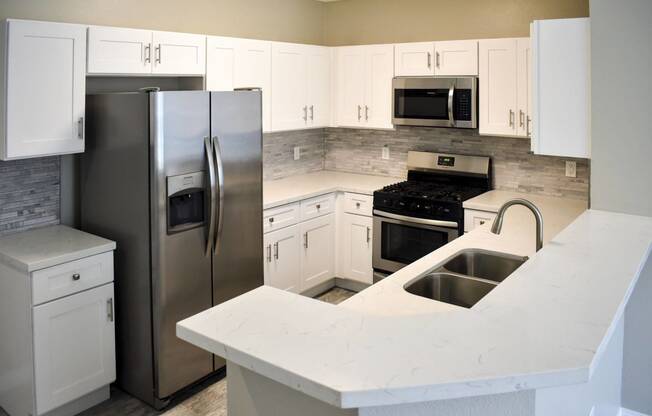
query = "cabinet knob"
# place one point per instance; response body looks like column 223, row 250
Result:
column 271, row 219
column 76, row 277
column 357, row 205
column 482, row 222
column 318, row 206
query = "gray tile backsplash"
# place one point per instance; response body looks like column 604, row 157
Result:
column 357, row 150
column 29, row 194
column 278, row 153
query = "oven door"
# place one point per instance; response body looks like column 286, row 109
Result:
column 400, row 240
column 435, row 102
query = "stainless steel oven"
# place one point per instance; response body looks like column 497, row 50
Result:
column 435, row 101
column 400, row 240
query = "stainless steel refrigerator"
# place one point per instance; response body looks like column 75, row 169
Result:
column 175, row 178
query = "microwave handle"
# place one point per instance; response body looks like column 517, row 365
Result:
column 451, row 93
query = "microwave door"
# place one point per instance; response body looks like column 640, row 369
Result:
column 422, row 106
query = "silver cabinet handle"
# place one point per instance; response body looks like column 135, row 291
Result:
column 276, row 250
column 305, row 239
column 210, row 161
column 219, row 168
column 157, row 53
column 368, row 234
column 269, row 253
column 305, row 113
column 109, row 309
column 148, row 53
column 76, row 277
column 429, row 59
column 437, row 59
column 511, row 118
column 312, row 113
column 521, row 121
column 80, row 128
column 366, row 113
column 359, row 113
column 528, row 121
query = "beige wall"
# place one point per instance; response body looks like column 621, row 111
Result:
column 285, row 20
column 351, row 22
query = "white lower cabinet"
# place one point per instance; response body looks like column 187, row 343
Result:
column 476, row 218
column 355, row 248
column 282, row 261
column 74, row 347
column 318, row 251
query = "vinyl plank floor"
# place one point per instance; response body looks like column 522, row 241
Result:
column 206, row 399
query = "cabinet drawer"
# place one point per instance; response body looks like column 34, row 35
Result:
column 72, row 277
column 358, row 204
column 473, row 218
column 280, row 217
column 317, row 206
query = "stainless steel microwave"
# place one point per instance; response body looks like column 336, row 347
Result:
column 435, row 102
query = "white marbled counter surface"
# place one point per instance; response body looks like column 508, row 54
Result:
column 48, row 246
column 295, row 188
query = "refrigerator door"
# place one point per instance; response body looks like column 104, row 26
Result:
column 236, row 129
column 181, row 265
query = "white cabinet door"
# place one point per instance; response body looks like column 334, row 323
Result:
column 282, row 250
column 74, row 347
column 44, row 88
column 318, row 62
column 379, row 71
column 289, row 78
column 114, row 50
column 317, row 251
column 498, row 86
column 240, row 63
column 350, row 85
column 523, row 80
column 178, row 54
column 456, row 58
column 414, row 59
column 561, row 87
column 356, row 248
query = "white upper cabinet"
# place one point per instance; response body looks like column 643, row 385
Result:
column 414, row 59
column 42, row 91
column 120, row 51
column 364, row 86
column 561, row 87
column 523, row 86
column 113, row 50
column 498, row 86
column 240, row 63
column 300, row 86
column 178, row 54
column 456, row 58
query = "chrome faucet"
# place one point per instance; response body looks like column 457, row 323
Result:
column 498, row 222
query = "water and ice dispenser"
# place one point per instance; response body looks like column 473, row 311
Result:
column 186, row 202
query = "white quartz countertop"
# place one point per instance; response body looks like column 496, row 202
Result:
column 296, row 188
column 48, row 246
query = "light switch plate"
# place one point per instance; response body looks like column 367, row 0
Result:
column 571, row 169
column 297, row 153
column 385, row 155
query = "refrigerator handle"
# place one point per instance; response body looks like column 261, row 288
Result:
column 220, row 193
column 208, row 145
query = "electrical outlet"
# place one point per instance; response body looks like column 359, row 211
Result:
column 297, row 153
column 571, row 169
column 385, row 155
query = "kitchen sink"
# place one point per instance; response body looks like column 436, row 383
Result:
column 457, row 290
column 484, row 264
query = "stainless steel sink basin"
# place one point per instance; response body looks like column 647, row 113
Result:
column 484, row 264
column 450, row 288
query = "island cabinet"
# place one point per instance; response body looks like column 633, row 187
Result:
column 504, row 68
column 299, row 244
column 363, row 87
column 121, row 51
column 57, row 321
column 233, row 63
column 42, row 88
column 443, row 58
column 301, row 86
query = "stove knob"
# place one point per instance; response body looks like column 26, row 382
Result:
column 387, row 202
column 401, row 204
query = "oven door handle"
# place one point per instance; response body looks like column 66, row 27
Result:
column 437, row 223
column 451, row 93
